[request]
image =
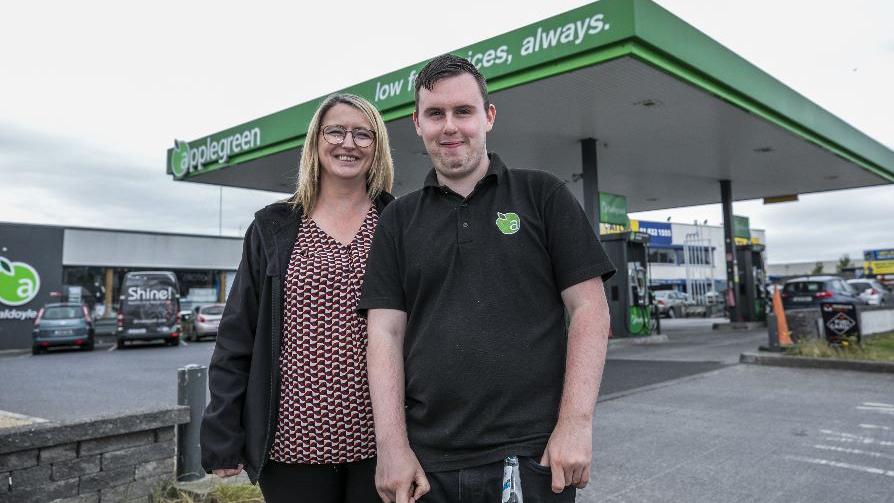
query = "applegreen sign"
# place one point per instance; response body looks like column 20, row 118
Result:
column 19, row 283
column 613, row 209
column 741, row 227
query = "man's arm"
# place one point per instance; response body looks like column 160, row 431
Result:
column 569, row 451
column 399, row 476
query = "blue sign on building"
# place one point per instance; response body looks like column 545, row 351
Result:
column 660, row 232
column 879, row 254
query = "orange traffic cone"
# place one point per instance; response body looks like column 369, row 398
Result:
column 782, row 332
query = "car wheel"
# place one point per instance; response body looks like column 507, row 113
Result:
column 120, row 344
column 36, row 350
column 672, row 312
column 89, row 346
column 173, row 342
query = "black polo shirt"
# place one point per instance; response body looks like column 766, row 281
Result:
column 480, row 279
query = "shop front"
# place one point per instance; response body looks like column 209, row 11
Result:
column 46, row 264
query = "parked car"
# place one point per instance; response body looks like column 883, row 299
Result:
column 671, row 303
column 62, row 324
column 870, row 290
column 203, row 321
column 809, row 291
column 149, row 309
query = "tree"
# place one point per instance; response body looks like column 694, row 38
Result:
column 844, row 262
column 817, row 269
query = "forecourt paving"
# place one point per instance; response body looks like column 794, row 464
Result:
column 664, row 429
column 748, row 433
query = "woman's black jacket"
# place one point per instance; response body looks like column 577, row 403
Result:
column 243, row 377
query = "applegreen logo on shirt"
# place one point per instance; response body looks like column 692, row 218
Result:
column 508, row 223
column 19, row 282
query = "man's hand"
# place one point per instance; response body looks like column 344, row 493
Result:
column 569, row 453
column 399, row 476
column 228, row 472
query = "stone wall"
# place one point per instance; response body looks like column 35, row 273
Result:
column 108, row 459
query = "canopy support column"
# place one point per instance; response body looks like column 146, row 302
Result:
column 590, row 165
column 729, row 245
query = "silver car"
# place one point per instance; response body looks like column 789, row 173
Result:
column 671, row 303
column 205, row 320
column 870, row 290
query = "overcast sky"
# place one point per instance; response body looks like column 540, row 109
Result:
column 93, row 93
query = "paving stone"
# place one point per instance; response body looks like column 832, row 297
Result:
column 76, row 467
column 155, row 468
column 106, row 478
column 117, row 442
column 164, row 434
column 58, row 453
column 46, row 492
column 31, row 477
column 136, row 455
column 142, row 488
column 18, row 460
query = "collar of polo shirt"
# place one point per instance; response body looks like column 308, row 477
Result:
column 495, row 170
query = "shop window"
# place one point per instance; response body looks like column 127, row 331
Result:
column 662, row 256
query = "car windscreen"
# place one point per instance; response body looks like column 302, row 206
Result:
column 803, row 287
column 63, row 313
column 860, row 285
column 150, row 297
column 212, row 310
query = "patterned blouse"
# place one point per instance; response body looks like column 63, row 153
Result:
column 325, row 413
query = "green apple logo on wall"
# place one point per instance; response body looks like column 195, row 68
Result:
column 508, row 223
column 19, row 283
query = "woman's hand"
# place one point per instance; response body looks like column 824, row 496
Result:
column 228, row 472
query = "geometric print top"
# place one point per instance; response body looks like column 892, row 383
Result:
column 325, row 413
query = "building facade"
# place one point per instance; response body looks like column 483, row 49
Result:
column 41, row 264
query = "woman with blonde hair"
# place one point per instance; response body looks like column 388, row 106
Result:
column 289, row 392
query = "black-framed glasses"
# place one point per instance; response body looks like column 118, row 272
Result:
column 336, row 135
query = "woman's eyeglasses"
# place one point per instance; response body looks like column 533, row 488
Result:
column 336, row 135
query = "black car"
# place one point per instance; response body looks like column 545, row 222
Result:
column 809, row 291
column 62, row 324
column 149, row 308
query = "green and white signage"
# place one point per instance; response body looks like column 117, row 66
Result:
column 741, row 227
column 523, row 55
column 19, row 283
column 613, row 209
column 186, row 158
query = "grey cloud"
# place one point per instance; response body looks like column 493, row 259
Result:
column 78, row 184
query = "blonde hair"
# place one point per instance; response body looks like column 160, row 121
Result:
column 381, row 172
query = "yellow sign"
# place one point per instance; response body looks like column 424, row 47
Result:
column 879, row 267
column 612, row 229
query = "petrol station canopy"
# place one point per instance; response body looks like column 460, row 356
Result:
column 672, row 111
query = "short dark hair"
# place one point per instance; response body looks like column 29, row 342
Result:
column 445, row 66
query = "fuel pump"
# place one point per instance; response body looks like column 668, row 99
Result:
column 629, row 300
column 752, row 282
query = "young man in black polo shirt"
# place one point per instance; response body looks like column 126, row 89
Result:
column 466, row 289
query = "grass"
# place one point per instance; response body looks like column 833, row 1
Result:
column 875, row 348
column 243, row 493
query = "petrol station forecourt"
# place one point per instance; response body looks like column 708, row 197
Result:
column 618, row 97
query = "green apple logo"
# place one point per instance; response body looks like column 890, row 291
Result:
column 180, row 158
column 508, row 223
column 19, row 283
